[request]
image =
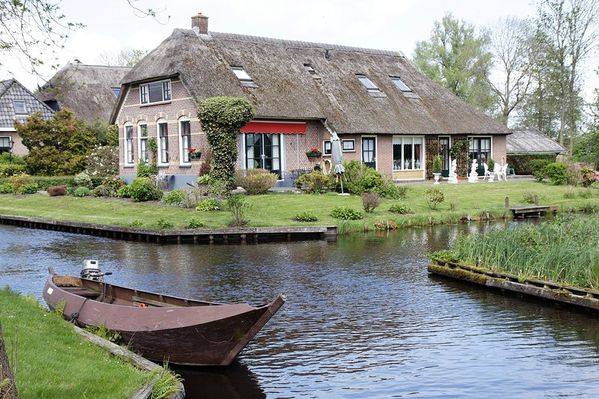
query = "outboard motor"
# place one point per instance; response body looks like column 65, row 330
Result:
column 91, row 271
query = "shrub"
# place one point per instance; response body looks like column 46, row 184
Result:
column 194, row 223
column 193, row 195
column 537, row 167
column 346, row 213
column 6, row 188
column 238, row 205
column 28, row 189
column 306, row 216
column 392, row 190
column 146, row 169
column 8, row 158
column 587, row 177
column 400, row 208
column 124, row 192
column 136, row 223
column 103, row 161
column 314, row 182
column 164, row 224
column 524, row 164
column 82, row 192
column 361, row 179
column 142, row 189
column 83, row 180
column 557, row 173
column 433, row 197
column 175, row 197
column 9, row 169
column 110, row 187
column 255, row 181
column 529, row 197
column 19, row 181
column 370, row 201
column 385, row 225
column 54, row 191
column 209, row 204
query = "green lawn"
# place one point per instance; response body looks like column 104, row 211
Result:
column 52, row 361
column 278, row 209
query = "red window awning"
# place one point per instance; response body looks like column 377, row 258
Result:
column 274, row 127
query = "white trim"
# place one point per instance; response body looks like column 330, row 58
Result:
column 170, row 83
column 324, row 153
column 181, row 157
column 159, row 143
column 376, row 149
column 7, row 129
column 283, row 158
column 126, row 149
column 344, row 140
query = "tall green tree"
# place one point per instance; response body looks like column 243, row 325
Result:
column 457, row 57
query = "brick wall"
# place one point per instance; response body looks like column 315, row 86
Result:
column 499, row 148
column 18, row 147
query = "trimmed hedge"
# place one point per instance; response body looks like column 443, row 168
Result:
column 43, row 182
column 522, row 162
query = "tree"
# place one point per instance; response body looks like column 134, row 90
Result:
column 457, row 57
column 126, row 57
column 511, row 44
column 58, row 146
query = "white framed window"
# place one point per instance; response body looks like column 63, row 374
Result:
column 408, row 152
column 155, row 92
column 128, row 137
column 367, row 83
column 20, row 107
column 142, row 145
column 162, row 141
column 348, row 145
column 184, row 140
column 327, row 148
column 400, row 84
column 4, row 143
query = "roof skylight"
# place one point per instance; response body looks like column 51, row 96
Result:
column 400, row 84
column 241, row 74
column 366, row 82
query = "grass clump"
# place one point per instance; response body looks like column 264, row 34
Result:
column 306, row 216
column 562, row 251
column 400, row 208
column 346, row 213
column 166, row 382
column 434, row 197
column 209, row 204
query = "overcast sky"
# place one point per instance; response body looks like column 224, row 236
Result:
column 112, row 25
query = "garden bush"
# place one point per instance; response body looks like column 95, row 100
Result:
column 433, row 197
column 401, row 209
column 82, row 192
column 83, row 180
column 164, row 224
column 146, row 169
column 255, row 181
column 306, row 216
column 360, row 179
column 314, row 182
column 6, row 188
column 110, row 187
column 209, row 204
column 370, row 201
column 142, row 189
column 175, row 197
column 55, row 191
column 124, row 192
column 28, row 189
column 238, row 206
column 194, row 223
column 346, row 213
column 9, row 169
column 19, row 181
column 587, row 177
column 557, row 173
column 537, row 168
column 103, row 162
column 524, row 164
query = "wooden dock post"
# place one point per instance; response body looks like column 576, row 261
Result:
column 507, row 201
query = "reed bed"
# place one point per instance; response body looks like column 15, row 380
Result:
column 565, row 250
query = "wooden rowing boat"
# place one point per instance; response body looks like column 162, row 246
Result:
column 161, row 327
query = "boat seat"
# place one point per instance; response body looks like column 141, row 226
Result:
column 82, row 292
column 139, row 300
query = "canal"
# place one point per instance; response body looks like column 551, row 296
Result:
column 363, row 318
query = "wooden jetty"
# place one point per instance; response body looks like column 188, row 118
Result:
column 527, row 211
column 585, row 298
column 246, row 235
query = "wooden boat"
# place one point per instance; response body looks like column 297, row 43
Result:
column 160, row 327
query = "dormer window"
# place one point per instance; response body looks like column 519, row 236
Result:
column 400, row 84
column 155, row 92
column 366, row 82
column 243, row 76
column 20, row 107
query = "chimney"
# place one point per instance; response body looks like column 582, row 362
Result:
column 199, row 23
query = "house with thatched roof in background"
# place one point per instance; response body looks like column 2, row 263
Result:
column 388, row 114
column 525, row 145
column 17, row 104
column 89, row 91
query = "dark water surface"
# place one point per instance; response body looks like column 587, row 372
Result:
column 363, row 318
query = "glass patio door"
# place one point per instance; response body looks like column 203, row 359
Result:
column 263, row 151
column 480, row 150
column 369, row 152
column 444, row 153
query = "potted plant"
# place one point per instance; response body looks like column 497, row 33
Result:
column 313, row 153
column 194, row 154
column 437, row 167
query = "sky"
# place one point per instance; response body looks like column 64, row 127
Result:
column 111, row 25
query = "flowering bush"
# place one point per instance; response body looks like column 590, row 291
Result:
column 103, row 162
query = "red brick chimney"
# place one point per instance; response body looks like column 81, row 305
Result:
column 199, row 23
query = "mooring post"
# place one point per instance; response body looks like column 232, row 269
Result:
column 507, row 201
column 536, row 199
column 8, row 387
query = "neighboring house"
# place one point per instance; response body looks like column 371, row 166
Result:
column 532, row 141
column 17, row 104
column 387, row 113
column 89, row 91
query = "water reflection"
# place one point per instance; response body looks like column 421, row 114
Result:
column 363, row 318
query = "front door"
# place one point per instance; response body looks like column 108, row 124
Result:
column 369, row 151
column 263, row 151
column 444, row 153
column 480, row 150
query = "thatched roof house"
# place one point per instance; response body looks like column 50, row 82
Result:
column 17, row 104
column 376, row 100
column 532, row 141
column 90, row 91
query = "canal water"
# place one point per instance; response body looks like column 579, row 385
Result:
column 363, row 318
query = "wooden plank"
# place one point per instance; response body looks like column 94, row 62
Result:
column 139, row 300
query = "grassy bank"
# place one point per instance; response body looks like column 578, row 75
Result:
column 474, row 201
column 563, row 251
column 52, row 361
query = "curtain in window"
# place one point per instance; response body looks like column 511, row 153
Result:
column 129, row 144
column 163, row 142
column 185, row 128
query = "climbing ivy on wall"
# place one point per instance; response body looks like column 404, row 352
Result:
column 432, row 148
column 221, row 118
column 459, row 152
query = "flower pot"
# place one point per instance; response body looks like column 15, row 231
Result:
column 436, row 176
column 195, row 156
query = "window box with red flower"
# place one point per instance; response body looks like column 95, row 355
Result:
column 314, row 153
column 194, row 154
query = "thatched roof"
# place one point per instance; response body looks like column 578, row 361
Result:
column 286, row 90
column 532, row 141
column 11, row 90
column 84, row 89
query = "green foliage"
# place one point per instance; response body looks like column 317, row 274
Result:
column 400, row 208
column 27, row 189
column 164, row 224
column 586, row 148
column 8, row 158
column 19, row 181
column 255, row 181
column 165, row 383
column 194, row 223
column 459, row 151
column 456, row 57
column 537, row 167
column 491, row 164
column 175, row 197
column 433, row 197
column 587, row 177
column 525, row 164
column 57, row 146
column 82, row 192
column 103, row 162
column 209, row 204
column 238, row 206
column 306, row 216
column 146, row 169
column 370, row 201
column 110, row 187
column 529, row 197
column 8, row 169
column 105, row 134
column 314, row 182
column 346, row 213
column 361, row 179
column 437, row 164
column 83, row 180
column 103, row 332
column 143, row 189
column 221, row 119
column 6, row 188
column 557, row 173
column 124, row 192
